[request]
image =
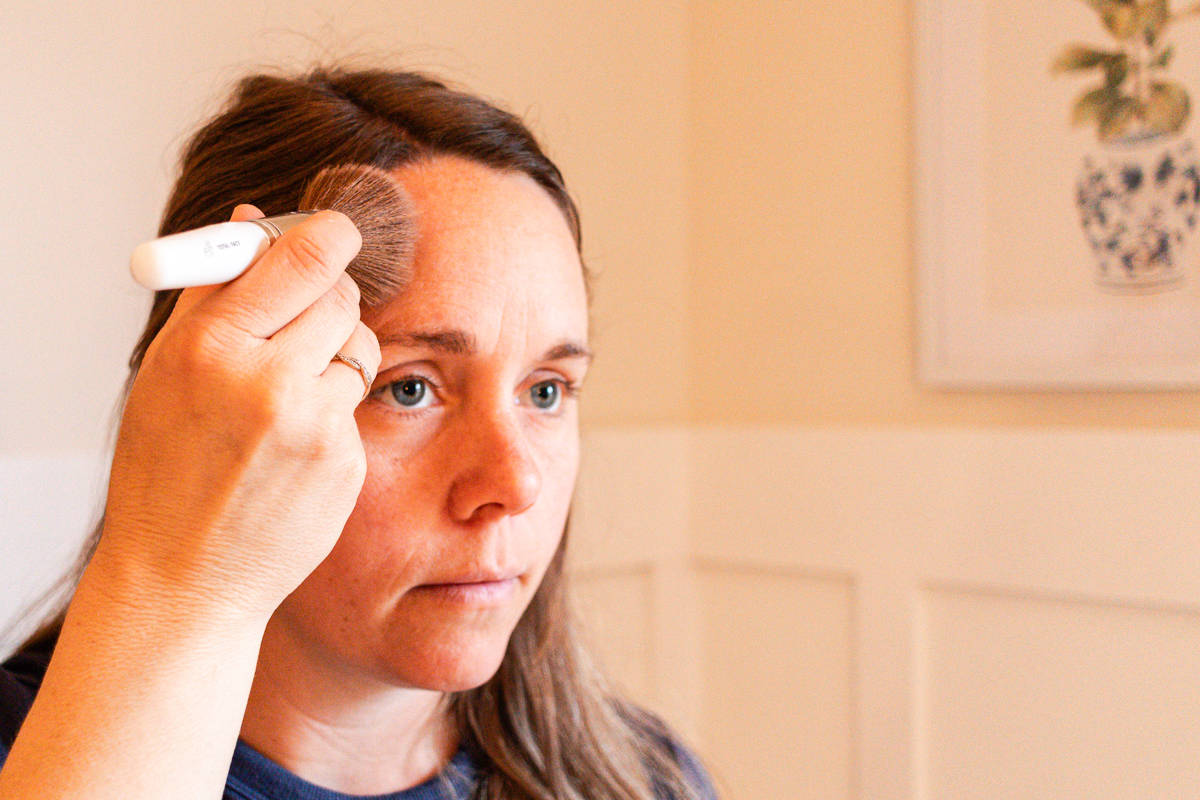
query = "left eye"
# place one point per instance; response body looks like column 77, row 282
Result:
column 411, row 392
column 545, row 395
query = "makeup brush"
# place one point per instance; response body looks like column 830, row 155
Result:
column 376, row 204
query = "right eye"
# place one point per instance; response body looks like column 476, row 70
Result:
column 410, row 392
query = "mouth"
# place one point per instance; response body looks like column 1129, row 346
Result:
column 473, row 591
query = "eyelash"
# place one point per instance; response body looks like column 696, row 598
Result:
column 567, row 390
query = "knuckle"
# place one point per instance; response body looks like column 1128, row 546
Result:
column 346, row 293
column 199, row 351
column 154, row 350
column 328, row 429
column 316, row 449
column 329, row 424
column 308, row 255
column 372, row 355
column 212, row 343
column 326, row 436
column 319, row 249
column 266, row 406
column 356, row 468
column 200, row 366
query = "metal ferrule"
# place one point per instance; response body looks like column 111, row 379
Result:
column 280, row 224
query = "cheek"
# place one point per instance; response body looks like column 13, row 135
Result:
column 395, row 505
column 403, row 502
column 555, row 449
column 560, row 475
column 559, row 465
column 404, row 481
column 385, row 538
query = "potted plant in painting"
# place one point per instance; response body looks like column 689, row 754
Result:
column 1138, row 193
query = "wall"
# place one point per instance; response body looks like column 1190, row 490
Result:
column 917, row 593
column 801, row 235
column 780, row 533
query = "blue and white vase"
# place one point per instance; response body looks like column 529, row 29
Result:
column 1139, row 201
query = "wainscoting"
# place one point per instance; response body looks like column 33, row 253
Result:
column 900, row 614
column 876, row 614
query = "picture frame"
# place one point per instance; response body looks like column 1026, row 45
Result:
column 1014, row 290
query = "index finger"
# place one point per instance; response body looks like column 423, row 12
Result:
column 297, row 270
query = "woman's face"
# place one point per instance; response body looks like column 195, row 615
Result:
column 471, row 437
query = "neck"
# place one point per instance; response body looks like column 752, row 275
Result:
column 339, row 727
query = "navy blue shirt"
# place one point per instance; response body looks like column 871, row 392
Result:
column 253, row 776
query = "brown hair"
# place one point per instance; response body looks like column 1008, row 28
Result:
column 544, row 726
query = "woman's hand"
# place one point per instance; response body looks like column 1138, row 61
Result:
column 236, row 466
column 238, row 459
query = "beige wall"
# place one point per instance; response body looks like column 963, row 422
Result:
column 801, row 247
column 744, row 171
column 903, row 592
column 745, row 175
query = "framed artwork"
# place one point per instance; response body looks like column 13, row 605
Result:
column 1058, row 193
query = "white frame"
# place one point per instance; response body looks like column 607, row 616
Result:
column 963, row 343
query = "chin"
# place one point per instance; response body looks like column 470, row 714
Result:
column 449, row 666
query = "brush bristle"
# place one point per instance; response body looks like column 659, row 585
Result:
column 383, row 213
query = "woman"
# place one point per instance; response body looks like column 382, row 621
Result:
column 347, row 598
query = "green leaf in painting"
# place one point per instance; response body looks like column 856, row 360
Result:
column 1152, row 18
column 1161, row 60
column 1167, row 107
column 1115, row 70
column 1080, row 56
column 1093, row 105
column 1122, row 20
column 1117, row 118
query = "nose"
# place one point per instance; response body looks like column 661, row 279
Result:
column 496, row 474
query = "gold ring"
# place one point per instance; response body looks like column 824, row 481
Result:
column 367, row 377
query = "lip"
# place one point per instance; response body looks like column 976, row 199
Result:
column 475, row 592
column 495, row 576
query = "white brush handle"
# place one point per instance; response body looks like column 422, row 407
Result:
column 212, row 254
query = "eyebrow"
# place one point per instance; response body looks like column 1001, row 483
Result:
column 454, row 342
column 461, row 343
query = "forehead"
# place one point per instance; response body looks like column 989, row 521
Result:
column 488, row 242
